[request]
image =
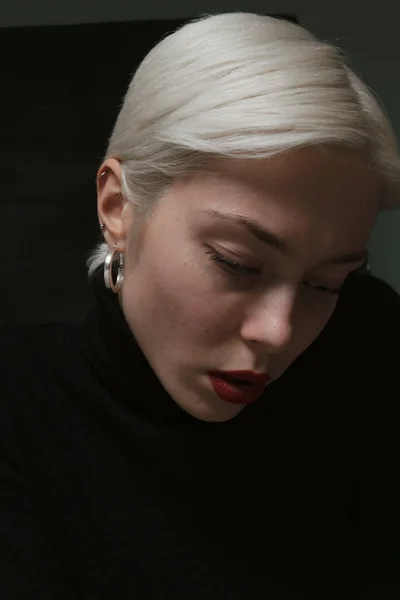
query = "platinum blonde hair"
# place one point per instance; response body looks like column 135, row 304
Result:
column 241, row 85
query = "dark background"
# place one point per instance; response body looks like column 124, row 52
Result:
column 61, row 93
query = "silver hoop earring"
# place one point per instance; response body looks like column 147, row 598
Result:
column 108, row 274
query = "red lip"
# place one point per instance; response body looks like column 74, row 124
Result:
column 251, row 376
column 238, row 387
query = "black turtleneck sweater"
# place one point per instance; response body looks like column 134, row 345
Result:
column 108, row 490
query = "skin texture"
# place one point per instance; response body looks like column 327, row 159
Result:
column 192, row 313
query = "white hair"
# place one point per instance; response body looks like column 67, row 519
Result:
column 241, row 85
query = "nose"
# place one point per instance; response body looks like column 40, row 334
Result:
column 269, row 321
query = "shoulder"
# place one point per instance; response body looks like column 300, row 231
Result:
column 40, row 369
column 367, row 318
column 365, row 294
column 31, row 359
column 358, row 352
column 25, row 345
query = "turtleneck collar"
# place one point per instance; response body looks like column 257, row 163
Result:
column 119, row 361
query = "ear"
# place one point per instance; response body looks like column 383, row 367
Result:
column 115, row 212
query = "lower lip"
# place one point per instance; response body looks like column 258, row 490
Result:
column 236, row 393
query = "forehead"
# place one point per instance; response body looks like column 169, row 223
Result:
column 306, row 189
column 323, row 201
column 310, row 179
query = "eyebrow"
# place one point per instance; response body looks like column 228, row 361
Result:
column 278, row 243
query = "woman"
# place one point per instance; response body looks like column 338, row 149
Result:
column 220, row 427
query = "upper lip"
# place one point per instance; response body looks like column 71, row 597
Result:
column 250, row 376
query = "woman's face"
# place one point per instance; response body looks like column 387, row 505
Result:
column 239, row 269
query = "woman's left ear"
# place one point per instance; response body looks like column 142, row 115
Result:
column 111, row 205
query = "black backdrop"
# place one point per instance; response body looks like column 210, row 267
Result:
column 61, row 88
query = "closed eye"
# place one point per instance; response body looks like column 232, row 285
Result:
column 322, row 289
column 233, row 266
column 237, row 268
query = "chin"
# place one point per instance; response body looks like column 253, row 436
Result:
column 202, row 404
column 213, row 414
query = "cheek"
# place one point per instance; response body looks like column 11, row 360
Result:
column 179, row 298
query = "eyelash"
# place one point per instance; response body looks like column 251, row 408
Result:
column 322, row 289
column 237, row 268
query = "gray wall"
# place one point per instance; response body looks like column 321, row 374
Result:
column 370, row 35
